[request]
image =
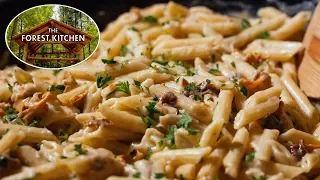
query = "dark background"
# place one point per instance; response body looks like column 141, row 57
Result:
column 107, row 10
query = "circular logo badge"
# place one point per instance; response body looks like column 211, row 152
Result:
column 52, row 36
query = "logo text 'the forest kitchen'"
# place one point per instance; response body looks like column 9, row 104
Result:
column 53, row 37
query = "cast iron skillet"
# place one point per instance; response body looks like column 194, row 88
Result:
column 107, row 10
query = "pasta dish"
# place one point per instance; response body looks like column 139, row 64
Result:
column 171, row 93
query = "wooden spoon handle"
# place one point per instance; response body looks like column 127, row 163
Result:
column 309, row 69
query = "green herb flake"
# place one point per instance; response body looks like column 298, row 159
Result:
column 147, row 120
column 162, row 62
column 177, row 80
column 78, row 148
column 56, row 72
column 223, row 85
column 10, row 87
column 233, row 64
column 250, row 156
column 10, row 114
column 191, row 87
column 155, row 98
column 181, row 63
column 34, row 123
column 185, row 123
column 181, row 177
column 244, row 90
column 151, row 107
column 159, row 175
column 185, row 120
column 124, row 50
column 150, row 19
column 137, row 84
column 102, row 80
column 111, row 61
column 264, row 35
column 57, row 88
column 149, row 153
column 170, row 136
column 63, row 157
column 260, row 178
column 123, row 87
column 245, row 24
column 133, row 29
column 160, row 143
column 3, row 161
column 192, row 132
column 197, row 98
column 215, row 72
column 63, row 137
column 216, row 178
column 136, row 175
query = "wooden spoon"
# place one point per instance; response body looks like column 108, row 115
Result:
column 309, row 69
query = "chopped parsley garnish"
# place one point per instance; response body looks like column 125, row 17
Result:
column 191, row 87
column 197, row 98
column 58, row 88
column 215, row 72
column 34, row 123
column 181, row 63
column 177, row 80
column 111, row 61
column 102, row 80
column 159, row 175
column 11, row 114
column 149, row 154
column 260, row 178
column 189, row 72
column 124, row 50
column 133, row 29
column 150, row 19
column 55, row 72
column 244, row 90
column 123, row 63
column 223, row 85
column 250, row 156
column 216, row 178
column 136, row 175
column 235, row 81
column 192, row 132
column 3, row 161
column 162, row 62
column 63, row 157
column 155, row 98
column 137, row 84
column 63, row 136
column 163, row 69
column 147, row 120
column 233, row 64
column 10, row 87
column 208, row 80
column 185, row 120
column 185, row 123
column 264, row 35
column 123, row 87
column 160, row 143
column 151, row 107
column 38, row 145
column 78, row 148
column 181, row 177
column 170, row 136
column 245, row 24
